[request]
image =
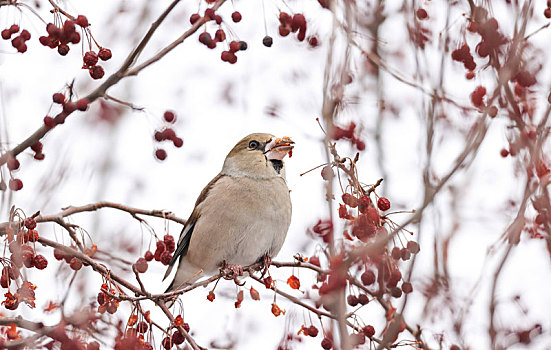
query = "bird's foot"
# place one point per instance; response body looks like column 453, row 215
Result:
column 266, row 261
column 231, row 271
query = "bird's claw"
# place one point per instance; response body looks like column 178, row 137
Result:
column 231, row 271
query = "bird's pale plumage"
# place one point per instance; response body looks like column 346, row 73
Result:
column 241, row 215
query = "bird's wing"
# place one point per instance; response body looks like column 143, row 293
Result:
column 185, row 235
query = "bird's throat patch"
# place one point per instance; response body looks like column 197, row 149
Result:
column 277, row 164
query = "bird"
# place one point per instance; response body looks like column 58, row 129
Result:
column 241, row 216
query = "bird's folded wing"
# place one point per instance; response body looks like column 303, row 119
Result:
column 185, row 235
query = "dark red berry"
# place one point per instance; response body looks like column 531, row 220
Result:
column 220, row 35
column 413, row 247
column 63, row 49
column 396, row 253
column 368, row 278
column 236, row 16
column 105, row 54
column 194, row 18
column 15, row 184
column 267, row 41
column 504, row 153
column 6, row 35
column 178, row 142
column 37, row 146
column 142, row 327
column 312, row 331
column 13, row 164
column 58, row 254
column 40, row 262
column 141, row 265
column 547, row 13
column 327, row 343
column 209, row 13
column 421, row 14
column 49, row 122
column 406, row 255
column 76, row 264
column 167, row 343
column 369, row 331
column 160, row 154
column 178, row 338
column 218, row 19
column 58, row 98
column 169, row 116
column 363, row 299
column 82, row 104
column 30, row 223
column 352, row 300
column 383, row 204
column 242, row 45
column 14, row 28
column 25, row 34
column 69, row 107
column 148, row 255
column 97, row 72
column 166, row 257
column 82, row 21
column 407, row 288
column 90, row 58
column 205, row 38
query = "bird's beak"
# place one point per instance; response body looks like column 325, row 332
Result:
column 278, row 148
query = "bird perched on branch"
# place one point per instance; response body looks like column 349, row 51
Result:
column 241, row 216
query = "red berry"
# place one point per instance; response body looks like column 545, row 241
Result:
column 413, row 247
column 383, row 204
column 92, row 346
column 17, row 41
column 369, row 331
column 58, row 98
column 396, row 253
column 104, row 54
column 205, row 38
column 166, row 257
column 97, row 72
column 82, row 21
column 363, row 299
column 492, row 111
column 178, row 338
column 368, row 278
column 30, row 223
column 312, row 331
column 167, row 343
column 13, row 164
column 396, row 292
column 218, row 19
column 25, row 34
column 14, row 28
column 148, row 255
column 40, row 262
column 75, row 264
column 406, row 254
column 242, row 45
column 236, row 16
column 209, row 13
column 15, row 184
column 6, row 35
column 49, row 122
column 352, row 300
column 220, row 35
column 477, row 97
column 141, row 265
column 142, row 327
column 68, row 27
column 178, row 142
column 313, row 41
column 4, row 282
column 169, row 116
column 267, row 41
column 226, row 55
column 90, row 58
column 69, row 108
column 160, row 154
column 547, row 13
column 75, row 38
column 194, row 18
column 63, row 49
column 421, row 14
column 37, row 146
column 82, row 104
column 504, row 153
column 327, row 343
column 169, row 242
column 407, row 288
column 469, row 75
column 58, row 254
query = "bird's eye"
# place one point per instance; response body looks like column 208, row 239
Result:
column 254, row 144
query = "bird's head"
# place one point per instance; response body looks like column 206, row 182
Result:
column 258, row 155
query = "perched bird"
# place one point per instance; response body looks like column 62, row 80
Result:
column 241, row 216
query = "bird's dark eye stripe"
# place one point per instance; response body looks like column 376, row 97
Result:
column 254, row 144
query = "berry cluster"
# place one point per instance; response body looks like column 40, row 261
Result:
column 19, row 42
column 163, row 252
column 167, row 134
column 14, row 184
column 296, row 23
column 74, row 262
column 463, row 55
column 477, row 96
column 106, row 302
column 61, row 37
column 90, row 60
column 22, row 254
column 348, row 134
column 68, row 107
